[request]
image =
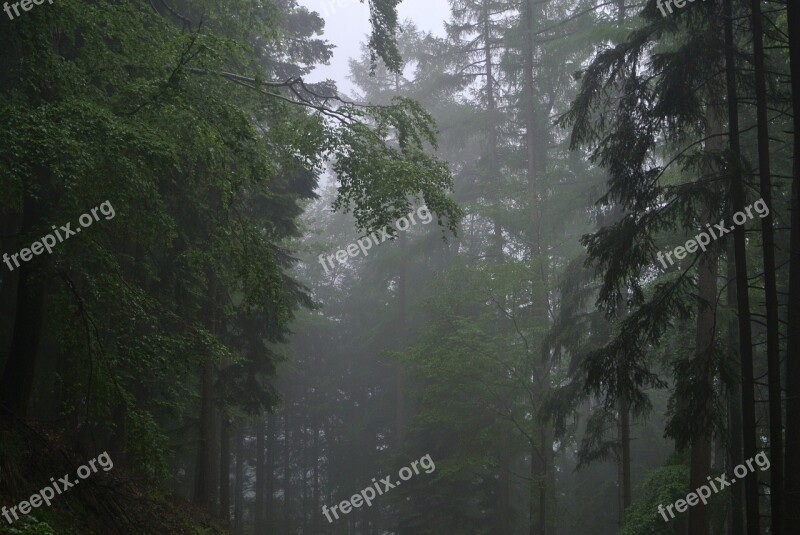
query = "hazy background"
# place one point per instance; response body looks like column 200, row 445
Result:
column 348, row 26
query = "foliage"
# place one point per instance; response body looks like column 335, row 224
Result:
column 662, row 486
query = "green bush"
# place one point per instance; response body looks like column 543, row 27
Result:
column 663, row 486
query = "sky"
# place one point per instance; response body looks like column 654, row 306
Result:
column 347, row 26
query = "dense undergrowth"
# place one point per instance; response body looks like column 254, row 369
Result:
column 106, row 502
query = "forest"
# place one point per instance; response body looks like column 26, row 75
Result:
column 535, row 274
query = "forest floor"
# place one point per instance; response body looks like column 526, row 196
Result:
column 103, row 503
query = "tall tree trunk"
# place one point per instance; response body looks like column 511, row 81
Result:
column 542, row 483
column 16, row 384
column 402, row 286
column 238, row 495
column 537, row 517
column 225, row 471
column 9, row 226
column 624, row 459
column 287, row 475
column 215, row 457
column 719, row 521
column 315, row 505
column 504, row 486
column 493, row 178
column 736, row 510
column 258, row 510
column 203, row 491
column 550, row 459
column 624, row 428
column 492, row 189
column 530, row 125
column 304, row 469
column 535, row 472
column 700, row 462
column 270, row 524
column 538, row 490
column 400, row 394
column 793, row 317
column 742, row 295
column 770, row 282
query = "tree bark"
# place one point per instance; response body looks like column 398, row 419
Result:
column 770, row 282
column 9, row 226
column 238, row 508
column 400, row 394
column 270, row 523
column 225, row 471
column 530, row 125
column 304, row 468
column 700, row 462
column 491, row 132
column 287, row 475
column 538, row 490
column 402, row 284
column 743, row 298
column 315, row 506
column 16, row 384
column 736, row 511
column 258, row 510
column 203, row 491
column 625, row 459
column 792, row 454
column 700, row 457
column 503, row 487
column 624, row 431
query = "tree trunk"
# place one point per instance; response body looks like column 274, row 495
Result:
column 315, row 506
column 700, row 457
column 536, row 473
column 793, row 317
column 503, row 487
column 238, row 508
column 492, row 189
column 304, row 469
column 530, row 125
column 546, row 446
column 16, row 384
column 9, row 226
column 700, row 462
column 258, row 510
column 624, row 427
column 287, row 475
column 225, row 471
column 491, row 182
column 402, row 284
column 625, row 459
column 736, row 511
column 203, row 491
column 539, row 455
column 770, row 282
column 270, row 523
column 743, row 298
column 792, row 452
